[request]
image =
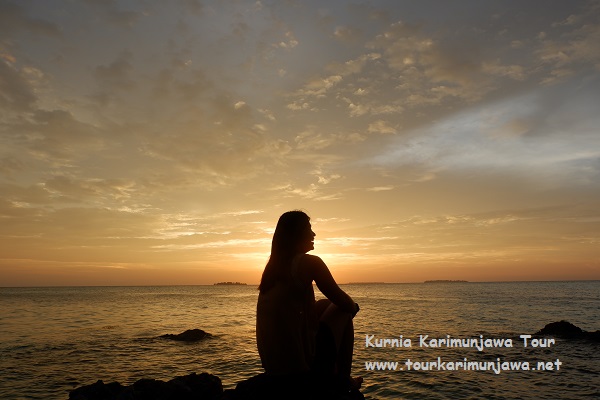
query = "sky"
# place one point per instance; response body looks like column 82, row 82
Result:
column 157, row 143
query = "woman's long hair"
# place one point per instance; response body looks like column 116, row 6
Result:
column 289, row 231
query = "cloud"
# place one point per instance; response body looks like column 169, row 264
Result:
column 526, row 135
column 371, row 105
column 268, row 114
column 402, row 45
column 354, row 66
column 381, row 126
column 311, row 140
column 231, row 243
column 515, row 72
column 574, row 46
column 186, row 87
column 499, row 236
column 312, row 191
column 326, row 179
column 218, row 144
column 408, row 67
column 111, row 11
column 380, row 188
column 57, row 136
column 426, row 64
column 16, row 92
column 318, row 87
column 9, row 165
column 289, row 43
column 348, row 34
column 117, row 75
column 18, row 196
column 316, row 146
column 242, row 212
column 85, row 189
column 14, row 18
column 324, row 87
column 356, row 110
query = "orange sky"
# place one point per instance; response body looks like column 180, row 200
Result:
column 153, row 143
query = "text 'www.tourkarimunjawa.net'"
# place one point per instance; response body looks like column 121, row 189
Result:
column 497, row 366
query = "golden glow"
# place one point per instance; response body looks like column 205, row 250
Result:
column 150, row 155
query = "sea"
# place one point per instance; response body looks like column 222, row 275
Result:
column 54, row 339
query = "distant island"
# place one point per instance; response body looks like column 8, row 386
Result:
column 446, row 281
column 229, row 283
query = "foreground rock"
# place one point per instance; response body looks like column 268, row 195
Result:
column 567, row 330
column 208, row 387
column 296, row 387
column 190, row 387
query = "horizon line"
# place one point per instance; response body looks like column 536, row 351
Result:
column 345, row 283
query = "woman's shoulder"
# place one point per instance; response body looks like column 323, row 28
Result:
column 311, row 266
column 308, row 268
column 310, row 259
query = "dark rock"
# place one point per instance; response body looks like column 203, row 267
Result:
column 97, row 391
column 153, row 389
column 190, row 387
column 567, row 330
column 209, row 385
column 562, row 328
column 191, row 335
column 296, row 387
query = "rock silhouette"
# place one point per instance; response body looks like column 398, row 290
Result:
column 567, row 330
column 293, row 387
column 191, row 335
column 208, row 387
column 189, row 387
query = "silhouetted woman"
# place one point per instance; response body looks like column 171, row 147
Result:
column 294, row 333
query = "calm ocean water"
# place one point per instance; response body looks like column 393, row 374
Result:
column 55, row 339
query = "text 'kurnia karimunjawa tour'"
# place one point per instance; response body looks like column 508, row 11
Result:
column 480, row 344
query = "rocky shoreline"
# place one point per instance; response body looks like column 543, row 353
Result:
column 206, row 386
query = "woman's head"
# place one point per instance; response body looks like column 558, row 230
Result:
column 293, row 234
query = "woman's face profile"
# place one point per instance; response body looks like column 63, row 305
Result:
column 307, row 239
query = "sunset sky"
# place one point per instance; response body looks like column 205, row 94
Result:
column 149, row 142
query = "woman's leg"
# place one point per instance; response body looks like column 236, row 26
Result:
column 321, row 306
column 341, row 327
column 346, row 349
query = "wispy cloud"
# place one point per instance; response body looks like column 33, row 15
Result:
column 515, row 134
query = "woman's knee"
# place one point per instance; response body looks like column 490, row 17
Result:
column 321, row 306
column 335, row 317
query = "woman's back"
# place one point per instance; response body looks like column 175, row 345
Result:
column 286, row 324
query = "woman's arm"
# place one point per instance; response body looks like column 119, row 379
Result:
column 318, row 271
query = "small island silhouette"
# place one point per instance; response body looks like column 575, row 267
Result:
column 446, row 281
column 229, row 283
